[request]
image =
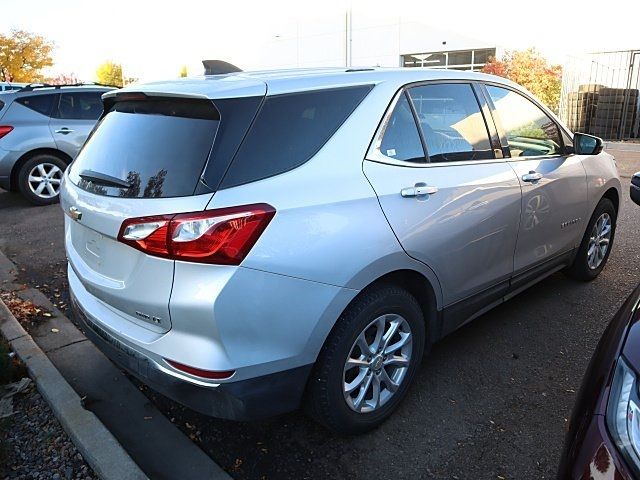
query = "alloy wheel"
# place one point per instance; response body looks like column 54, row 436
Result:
column 599, row 241
column 377, row 363
column 44, row 180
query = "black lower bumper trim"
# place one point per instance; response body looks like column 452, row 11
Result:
column 251, row 399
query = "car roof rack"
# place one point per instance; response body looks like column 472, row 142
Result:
column 34, row 86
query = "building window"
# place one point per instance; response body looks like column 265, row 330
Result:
column 472, row 60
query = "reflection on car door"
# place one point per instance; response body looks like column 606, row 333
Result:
column 73, row 118
column 456, row 209
column 554, row 185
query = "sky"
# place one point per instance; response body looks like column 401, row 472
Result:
column 153, row 39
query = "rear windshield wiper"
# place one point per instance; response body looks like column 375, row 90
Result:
column 103, row 179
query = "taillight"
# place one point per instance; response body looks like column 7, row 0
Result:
column 223, row 236
column 198, row 372
column 4, row 129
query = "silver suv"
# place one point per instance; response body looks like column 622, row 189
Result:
column 42, row 129
column 252, row 242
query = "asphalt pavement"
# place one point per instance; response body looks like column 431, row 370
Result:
column 490, row 401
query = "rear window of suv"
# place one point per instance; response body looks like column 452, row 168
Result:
column 156, row 147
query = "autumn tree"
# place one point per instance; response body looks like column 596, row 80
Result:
column 110, row 73
column 23, row 56
column 531, row 70
column 183, row 71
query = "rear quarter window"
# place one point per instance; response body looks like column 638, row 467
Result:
column 38, row 103
column 289, row 129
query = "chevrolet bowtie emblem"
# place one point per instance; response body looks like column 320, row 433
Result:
column 75, row 213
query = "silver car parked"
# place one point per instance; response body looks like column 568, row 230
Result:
column 42, row 128
column 252, row 242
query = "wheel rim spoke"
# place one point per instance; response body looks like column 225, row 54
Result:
column 363, row 391
column 357, row 382
column 356, row 362
column 364, row 346
column 388, row 381
column 380, row 323
column 375, row 383
column 396, row 361
column 404, row 340
column 393, row 328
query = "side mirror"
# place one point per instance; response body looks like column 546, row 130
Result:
column 634, row 190
column 584, row 144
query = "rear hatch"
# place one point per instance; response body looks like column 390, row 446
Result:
column 146, row 157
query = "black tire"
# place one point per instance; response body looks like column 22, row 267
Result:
column 325, row 399
column 23, row 178
column 580, row 269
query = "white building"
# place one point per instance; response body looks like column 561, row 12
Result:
column 359, row 41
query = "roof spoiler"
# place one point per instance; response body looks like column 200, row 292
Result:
column 217, row 67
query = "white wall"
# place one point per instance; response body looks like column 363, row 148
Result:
column 375, row 41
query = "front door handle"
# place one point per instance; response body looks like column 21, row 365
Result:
column 419, row 190
column 64, row 130
column 532, row 176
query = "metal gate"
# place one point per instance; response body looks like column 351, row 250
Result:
column 600, row 94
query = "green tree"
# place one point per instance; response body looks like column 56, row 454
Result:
column 183, row 71
column 531, row 70
column 110, row 73
column 23, row 55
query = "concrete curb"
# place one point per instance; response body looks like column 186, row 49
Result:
column 97, row 445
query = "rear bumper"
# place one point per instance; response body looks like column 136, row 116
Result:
column 250, row 399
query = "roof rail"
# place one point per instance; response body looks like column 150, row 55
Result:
column 34, row 86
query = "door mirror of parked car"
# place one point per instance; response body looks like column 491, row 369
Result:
column 587, row 144
column 634, row 190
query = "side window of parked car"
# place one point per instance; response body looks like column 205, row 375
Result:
column 401, row 139
column 530, row 131
column 79, row 106
column 452, row 123
column 38, row 103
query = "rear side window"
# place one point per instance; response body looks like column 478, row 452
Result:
column 157, row 147
column 38, row 103
column 290, row 129
column 530, row 132
column 401, row 140
column 79, row 106
column 452, row 123
column 1, row 104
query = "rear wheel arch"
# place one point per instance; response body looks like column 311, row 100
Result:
column 15, row 170
column 420, row 287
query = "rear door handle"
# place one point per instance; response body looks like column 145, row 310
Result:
column 64, row 130
column 419, row 190
column 532, row 177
